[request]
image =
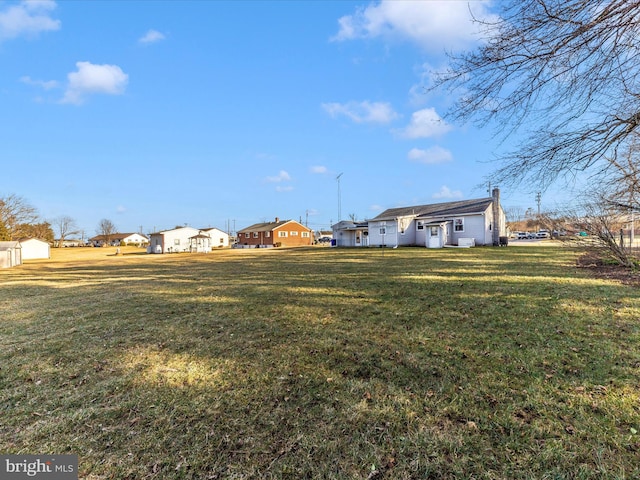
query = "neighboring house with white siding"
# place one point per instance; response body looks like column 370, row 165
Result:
column 218, row 237
column 182, row 239
column 461, row 223
column 116, row 239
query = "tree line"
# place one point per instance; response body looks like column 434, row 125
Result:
column 19, row 219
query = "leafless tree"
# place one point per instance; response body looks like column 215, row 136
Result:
column 514, row 214
column 65, row 226
column 563, row 73
column 622, row 179
column 15, row 212
column 107, row 229
column 602, row 223
column 41, row 230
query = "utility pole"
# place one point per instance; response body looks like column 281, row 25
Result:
column 538, row 202
column 339, row 199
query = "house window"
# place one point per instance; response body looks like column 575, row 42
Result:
column 294, row 234
column 267, row 234
column 305, row 234
column 222, row 240
column 255, row 234
column 434, row 231
column 176, row 241
column 458, row 225
column 247, row 235
column 383, row 230
column 420, row 226
column 282, row 234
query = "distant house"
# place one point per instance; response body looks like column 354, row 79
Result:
column 462, row 223
column 10, row 254
column 186, row 239
column 218, row 237
column 34, row 248
column 280, row 233
column 119, row 239
column 351, row 234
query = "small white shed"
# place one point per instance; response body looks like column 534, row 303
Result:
column 34, row 248
column 10, row 254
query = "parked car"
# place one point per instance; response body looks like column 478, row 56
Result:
column 542, row 233
column 521, row 235
column 324, row 240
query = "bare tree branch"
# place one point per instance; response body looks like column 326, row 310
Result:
column 564, row 73
column 15, row 211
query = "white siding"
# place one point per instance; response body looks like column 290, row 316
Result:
column 476, row 227
column 218, row 237
column 33, row 249
column 390, row 237
column 176, row 240
column 135, row 238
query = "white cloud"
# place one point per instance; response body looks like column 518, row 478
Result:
column 425, row 123
column 281, row 177
column 46, row 85
column 94, row 79
column 152, row 36
column 27, row 18
column 446, row 192
column 280, row 188
column 120, row 209
column 434, row 25
column 362, row 112
column 376, row 208
column 430, row 156
column 319, row 169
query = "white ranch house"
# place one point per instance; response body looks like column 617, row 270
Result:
column 218, row 237
column 187, row 239
column 116, row 239
column 462, row 223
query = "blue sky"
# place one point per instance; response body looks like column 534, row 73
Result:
column 214, row 113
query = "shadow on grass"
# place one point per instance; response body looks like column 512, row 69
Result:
column 324, row 364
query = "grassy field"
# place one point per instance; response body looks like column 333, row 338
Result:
column 322, row 363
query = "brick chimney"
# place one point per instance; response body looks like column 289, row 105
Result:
column 495, row 209
column 277, row 219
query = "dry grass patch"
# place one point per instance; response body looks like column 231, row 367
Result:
column 321, row 363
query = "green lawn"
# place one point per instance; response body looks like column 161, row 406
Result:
column 319, row 363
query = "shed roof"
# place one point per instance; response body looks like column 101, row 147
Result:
column 9, row 245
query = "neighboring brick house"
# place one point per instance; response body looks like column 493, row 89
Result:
column 281, row 233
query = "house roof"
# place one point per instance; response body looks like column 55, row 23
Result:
column 115, row 236
column 162, row 232
column 32, row 239
column 461, row 207
column 267, row 226
column 208, row 229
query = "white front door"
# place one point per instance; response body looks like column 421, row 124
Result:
column 434, row 237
